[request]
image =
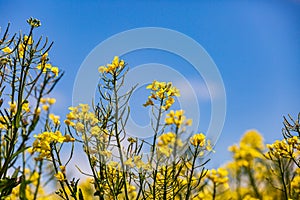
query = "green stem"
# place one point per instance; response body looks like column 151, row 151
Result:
column 253, row 183
column 282, row 179
column 192, row 172
column 156, row 131
column 214, row 191
column 117, row 133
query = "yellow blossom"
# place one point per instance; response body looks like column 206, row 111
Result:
column 198, row 140
column 115, row 65
column 44, row 56
column 79, row 127
column 6, row 50
column 28, row 39
column 54, row 118
column 25, row 107
column 69, row 123
column 45, row 107
column 13, row 107
column 60, row 176
column 163, row 92
column 51, row 101
column 55, row 70
column 177, row 118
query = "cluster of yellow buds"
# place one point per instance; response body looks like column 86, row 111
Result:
column 177, row 118
column 60, row 175
column 115, row 65
column 43, row 65
column 33, row 22
column 166, row 143
column 86, row 123
column 248, row 149
column 43, row 141
column 163, row 92
column 287, row 148
column 295, row 184
column 79, row 114
column 6, row 50
column 218, row 177
column 199, row 140
column 47, row 102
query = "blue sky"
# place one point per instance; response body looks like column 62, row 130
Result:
column 255, row 44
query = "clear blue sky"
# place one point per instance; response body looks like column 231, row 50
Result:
column 255, row 44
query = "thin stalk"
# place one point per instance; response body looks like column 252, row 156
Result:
column 191, row 175
column 117, row 133
column 282, row 179
column 214, row 191
column 156, row 131
column 253, row 184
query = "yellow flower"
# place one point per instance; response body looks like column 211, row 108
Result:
column 253, row 139
column 68, row 138
column 51, row 101
column 38, row 111
column 129, row 163
column 60, row 176
column 177, row 118
column 62, row 168
column 55, row 70
column 198, row 140
column 102, row 69
column 166, row 139
column 29, row 40
column 33, row 22
column 79, row 127
column 219, row 176
column 163, row 92
column 45, row 107
column 25, row 107
column 21, row 50
column 84, row 107
column 44, row 56
column 113, row 67
column 95, row 130
column 6, row 50
column 54, row 118
column 13, row 107
column 69, row 123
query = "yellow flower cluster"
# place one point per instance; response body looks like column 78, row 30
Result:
column 33, row 22
column 199, row 140
column 43, row 141
column 166, row 143
column 287, row 148
column 13, row 106
column 27, row 41
column 113, row 67
column 218, row 177
column 131, row 192
column 137, row 162
column 249, row 149
column 3, row 122
column 47, row 66
column 177, row 118
column 60, row 176
column 55, row 119
column 32, row 181
column 47, row 102
column 163, row 92
column 6, row 50
column 295, row 184
column 80, row 113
